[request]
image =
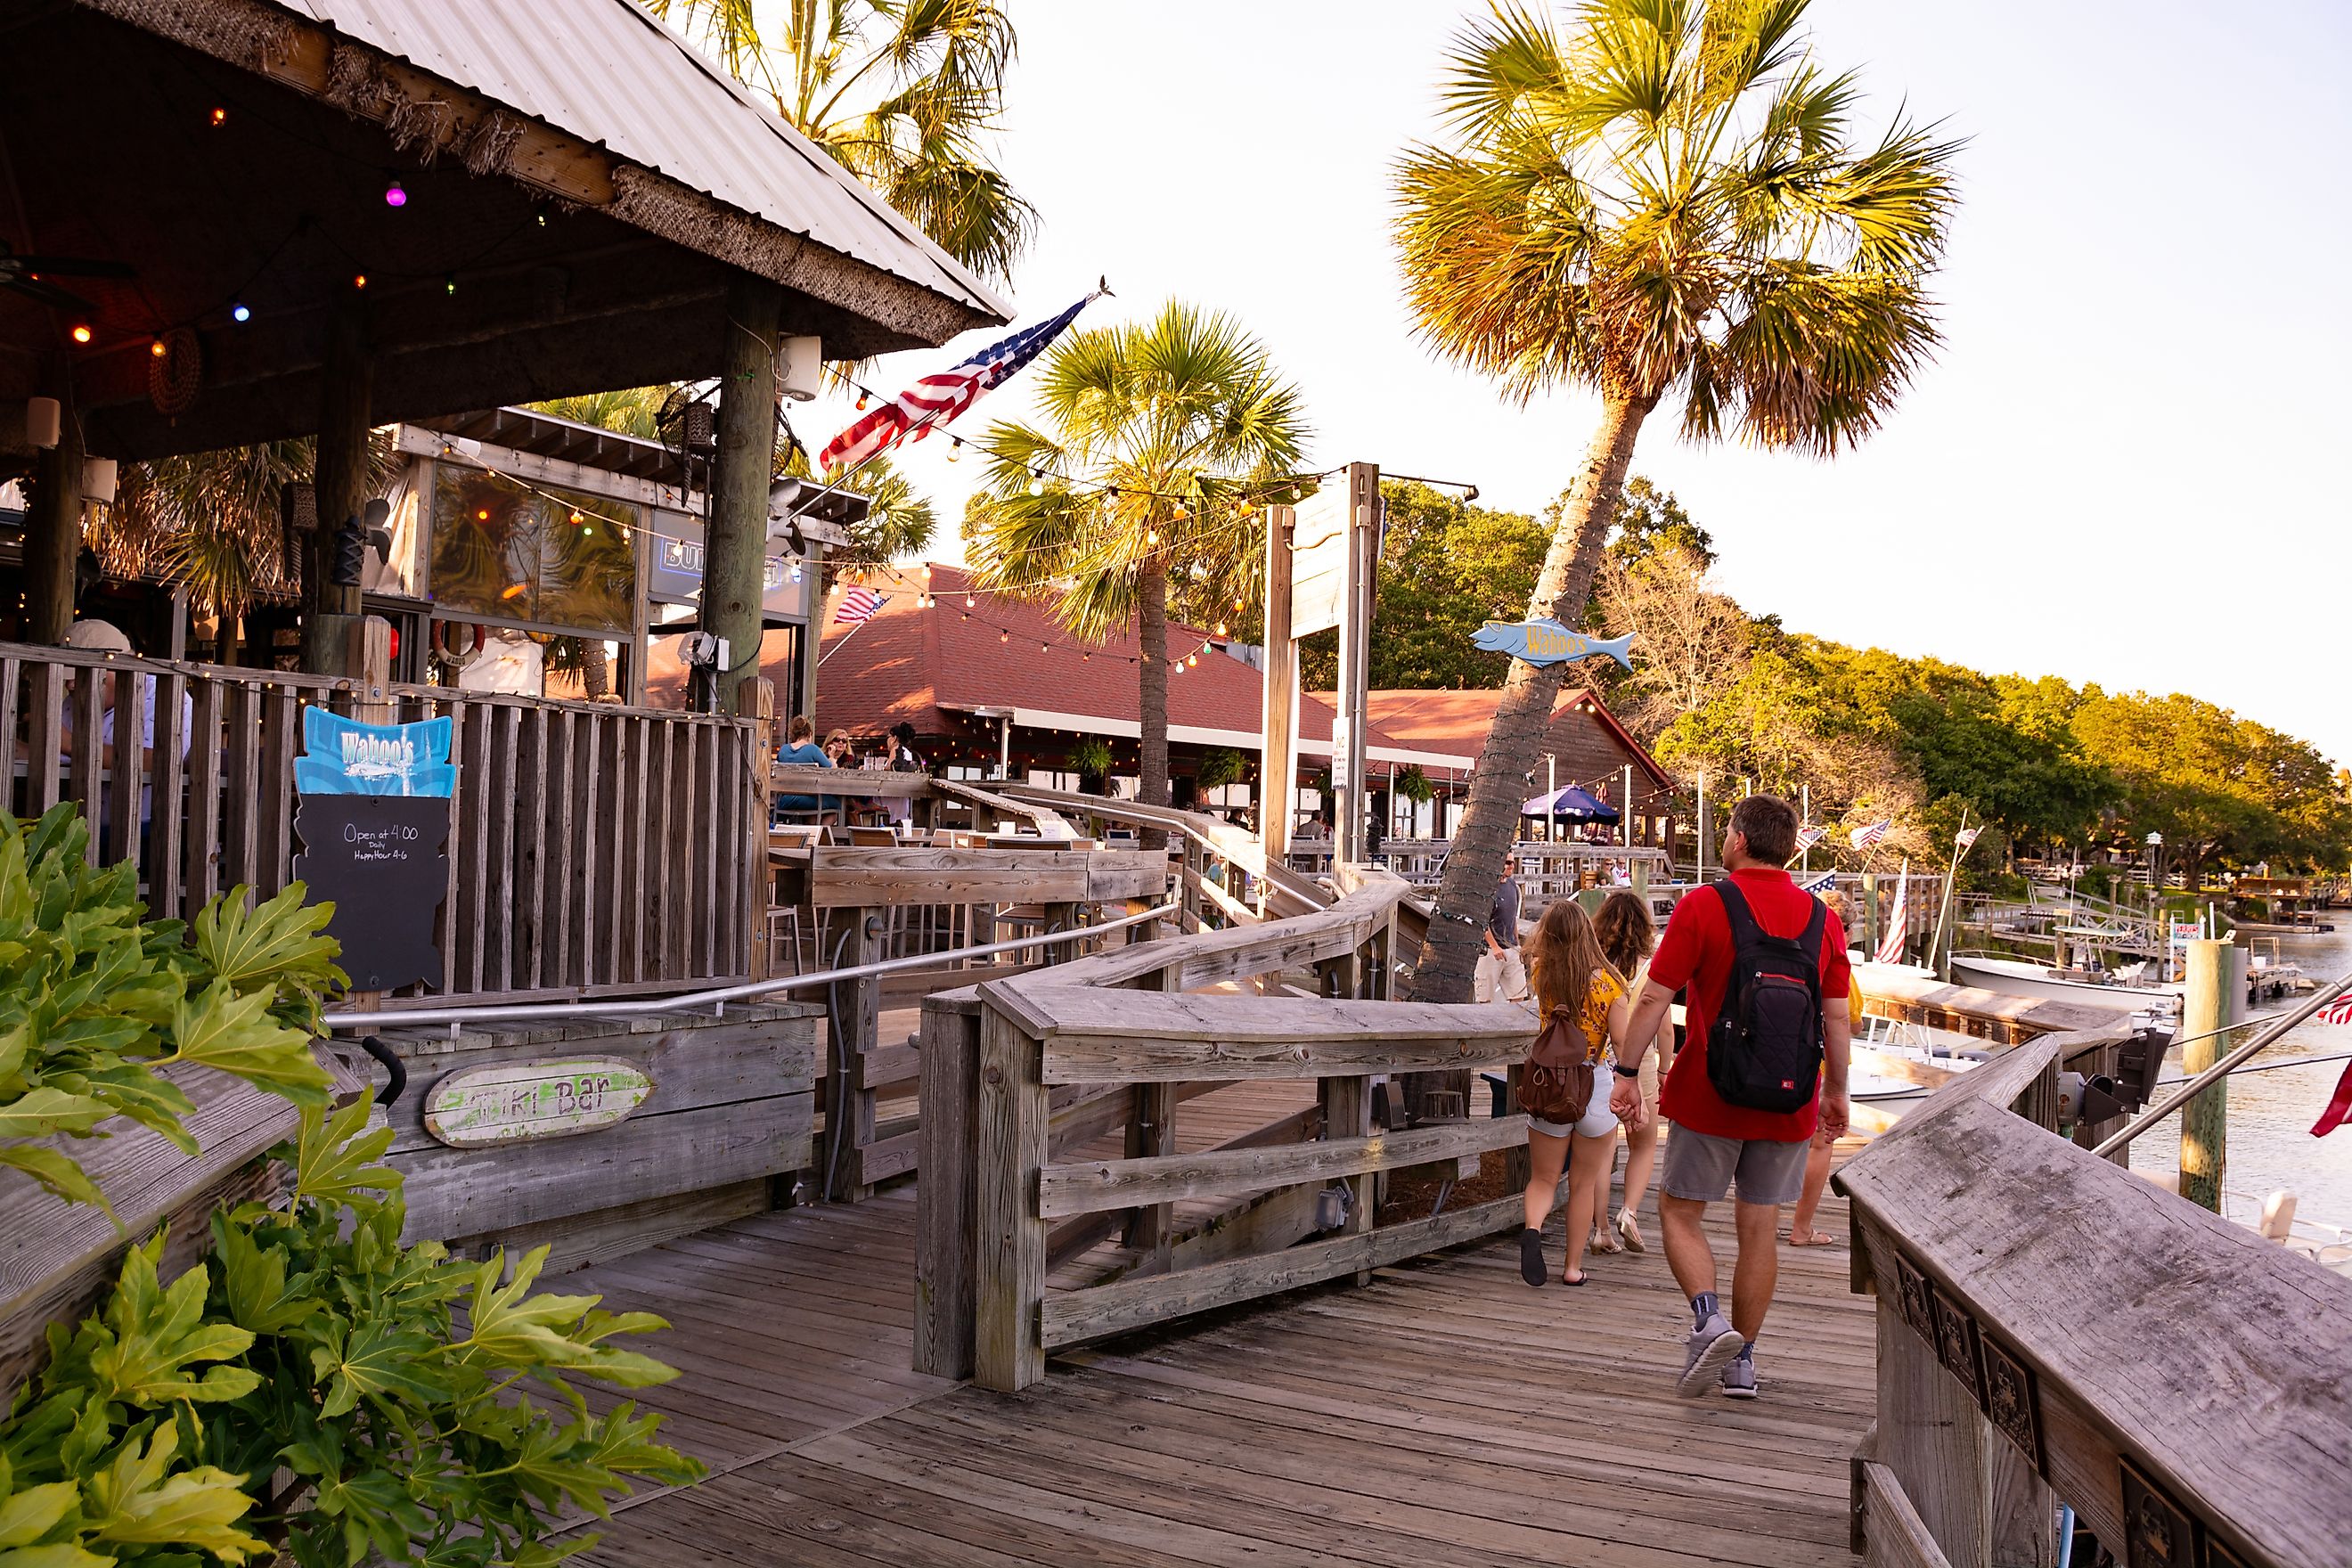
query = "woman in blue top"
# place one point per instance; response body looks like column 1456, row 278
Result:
column 804, row 752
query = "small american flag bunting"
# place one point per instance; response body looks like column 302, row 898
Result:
column 858, row 605
column 1870, row 834
column 1967, row 838
column 1807, row 837
column 1898, row 923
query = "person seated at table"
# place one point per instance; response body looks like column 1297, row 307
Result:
column 801, row 751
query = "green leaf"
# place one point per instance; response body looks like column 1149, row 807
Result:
column 58, row 1173
column 252, row 1279
column 222, row 1029
column 153, row 1102
column 27, row 1516
column 40, row 1113
column 63, row 1554
column 380, row 1358
column 278, row 942
column 138, row 1501
column 332, row 1154
column 157, row 1335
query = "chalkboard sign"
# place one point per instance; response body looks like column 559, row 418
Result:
column 383, row 861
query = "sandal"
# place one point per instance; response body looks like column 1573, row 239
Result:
column 1531, row 1257
column 1813, row 1238
column 1602, row 1241
column 1582, row 1278
column 1630, row 1231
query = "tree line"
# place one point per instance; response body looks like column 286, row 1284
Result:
column 2051, row 769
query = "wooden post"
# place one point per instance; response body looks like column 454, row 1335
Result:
column 735, row 554
column 1277, row 739
column 1008, row 1152
column 53, row 532
column 1063, row 917
column 367, row 652
column 2210, row 1001
column 1972, row 1489
column 756, row 699
column 1347, row 1106
column 1189, row 898
column 946, row 1197
column 340, row 472
column 861, row 1025
column 1151, row 1131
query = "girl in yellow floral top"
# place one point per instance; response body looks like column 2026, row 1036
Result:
column 1566, row 968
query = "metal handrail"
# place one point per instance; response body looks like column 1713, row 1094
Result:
column 520, row 1012
column 2195, row 1086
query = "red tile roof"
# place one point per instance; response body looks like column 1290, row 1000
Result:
column 920, row 666
column 1455, row 721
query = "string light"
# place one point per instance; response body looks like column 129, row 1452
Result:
column 220, row 117
column 449, row 283
column 393, row 196
column 359, row 281
column 80, row 333
column 157, row 347
column 240, row 312
column 970, row 602
column 1221, row 628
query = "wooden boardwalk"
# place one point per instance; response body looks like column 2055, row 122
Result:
column 1443, row 1416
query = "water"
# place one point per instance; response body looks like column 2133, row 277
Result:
column 2269, row 1142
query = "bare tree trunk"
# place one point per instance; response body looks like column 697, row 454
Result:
column 1151, row 678
column 1474, row 864
column 595, row 670
column 734, row 558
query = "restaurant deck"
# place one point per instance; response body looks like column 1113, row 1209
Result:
column 1442, row 1415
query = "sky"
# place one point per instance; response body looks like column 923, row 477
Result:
column 2124, row 466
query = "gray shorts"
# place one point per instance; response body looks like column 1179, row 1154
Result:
column 1700, row 1166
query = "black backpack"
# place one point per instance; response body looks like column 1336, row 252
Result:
column 1764, row 1049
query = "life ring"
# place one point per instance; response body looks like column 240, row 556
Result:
column 452, row 655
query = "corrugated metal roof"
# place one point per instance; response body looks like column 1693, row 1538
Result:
column 608, row 73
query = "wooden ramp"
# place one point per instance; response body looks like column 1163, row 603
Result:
column 1443, row 1415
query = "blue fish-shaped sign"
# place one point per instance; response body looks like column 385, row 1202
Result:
column 1548, row 642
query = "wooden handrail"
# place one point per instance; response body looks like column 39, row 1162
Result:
column 1220, row 838
column 2047, row 1317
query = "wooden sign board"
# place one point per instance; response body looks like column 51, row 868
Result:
column 1318, row 569
column 529, row 1101
column 381, row 860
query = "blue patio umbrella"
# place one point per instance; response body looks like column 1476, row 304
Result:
column 1574, row 804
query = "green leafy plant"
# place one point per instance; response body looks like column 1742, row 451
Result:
column 1411, row 783
column 1220, row 767
column 1090, row 757
column 315, row 1388
column 93, row 1001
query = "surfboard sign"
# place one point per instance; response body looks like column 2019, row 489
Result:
column 529, row 1101
column 1548, row 642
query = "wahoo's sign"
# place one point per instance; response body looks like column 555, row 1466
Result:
column 1548, row 642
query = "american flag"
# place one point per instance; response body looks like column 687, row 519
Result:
column 1967, row 839
column 1821, row 883
column 1808, row 836
column 937, row 400
column 1898, row 923
column 2336, row 1011
column 1868, row 835
column 859, row 606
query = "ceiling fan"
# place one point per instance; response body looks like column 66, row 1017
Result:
column 30, row 275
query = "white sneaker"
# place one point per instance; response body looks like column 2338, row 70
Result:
column 1740, row 1377
column 1711, row 1345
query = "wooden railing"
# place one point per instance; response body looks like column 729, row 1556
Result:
column 1019, row 1075
column 593, row 849
column 2053, row 1328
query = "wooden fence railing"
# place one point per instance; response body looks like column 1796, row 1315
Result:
column 1020, row 1074
column 2052, row 1329
column 595, row 849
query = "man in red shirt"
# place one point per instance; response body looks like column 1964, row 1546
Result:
column 1716, row 1146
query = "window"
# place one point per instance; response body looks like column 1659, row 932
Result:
column 560, row 559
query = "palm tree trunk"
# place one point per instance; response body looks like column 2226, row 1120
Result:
column 1151, row 678
column 1474, row 864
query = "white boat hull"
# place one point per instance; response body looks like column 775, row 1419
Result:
column 2017, row 978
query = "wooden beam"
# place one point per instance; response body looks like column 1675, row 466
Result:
column 1009, row 1149
column 1072, row 1317
column 1093, row 1186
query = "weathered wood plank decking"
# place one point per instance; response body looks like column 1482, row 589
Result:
column 1443, row 1415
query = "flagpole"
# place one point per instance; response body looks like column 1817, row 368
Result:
column 1951, row 876
column 1804, row 821
column 837, row 648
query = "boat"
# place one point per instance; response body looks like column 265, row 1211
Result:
column 2127, row 987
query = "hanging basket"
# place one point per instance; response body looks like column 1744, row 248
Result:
column 173, row 375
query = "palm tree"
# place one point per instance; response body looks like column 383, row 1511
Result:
column 1667, row 204
column 902, row 94
column 1164, row 438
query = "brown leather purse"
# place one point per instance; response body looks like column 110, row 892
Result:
column 1556, row 1085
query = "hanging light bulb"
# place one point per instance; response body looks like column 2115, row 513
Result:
column 955, row 448
column 1036, row 486
column 861, row 402
column 970, row 603
column 393, row 196
column 1194, row 662
column 1221, row 628
column 1044, row 647
column 220, row 117
column 576, row 519
column 240, row 312
column 1180, row 514
column 1151, row 536
column 1005, row 636
column 359, row 281
column 157, row 347
column 80, row 333
column 448, row 283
